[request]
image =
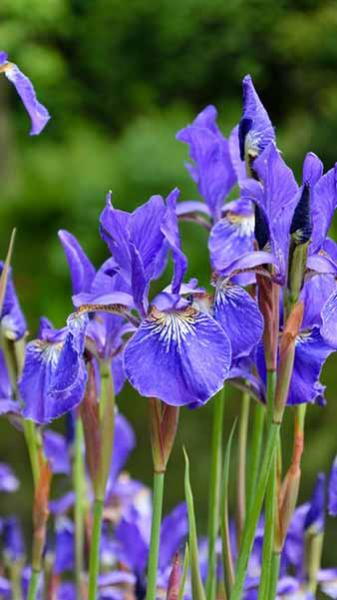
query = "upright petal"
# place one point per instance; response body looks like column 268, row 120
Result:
column 255, row 129
column 82, row 271
column 38, row 113
column 147, row 236
column 179, row 357
column 323, row 205
column 239, row 316
column 212, row 169
column 170, row 230
column 312, row 169
column 13, row 322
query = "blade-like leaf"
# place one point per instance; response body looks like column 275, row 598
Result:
column 198, row 592
column 227, row 556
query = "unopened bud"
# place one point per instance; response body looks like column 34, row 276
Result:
column 163, row 423
column 174, row 580
column 268, row 298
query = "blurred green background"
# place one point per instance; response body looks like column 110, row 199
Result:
column 120, row 78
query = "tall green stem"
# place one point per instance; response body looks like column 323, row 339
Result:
column 254, row 513
column 33, row 585
column 94, row 549
column 214, row 494
column 106, row 440
column 79, row 488
column 243, row 430
column 270, row 503
column 158, row 494
column 255, row 451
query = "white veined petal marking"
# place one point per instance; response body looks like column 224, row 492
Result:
column 172, row 328
column 245, row 224
column 48, row 352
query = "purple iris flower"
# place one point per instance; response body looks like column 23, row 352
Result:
column 104, row 331
column 178, row 354
column 38, row 114
column 212, row 168
column 8, row 481
column 333, row 490
column 54, row 374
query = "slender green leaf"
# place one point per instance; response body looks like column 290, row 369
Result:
column 198, row 591
column 227, row 557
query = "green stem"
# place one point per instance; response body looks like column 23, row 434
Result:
column 158, row 494
column 270, row 503
column 94, row 560
column 214, row 493
column 33, row 445
column 79, row 488
column 255, row 452
column 33, row 585
column 274, row 574
column 243, row 430
column 254, row 513
column 16, row 573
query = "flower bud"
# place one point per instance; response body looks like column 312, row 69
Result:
column 163, row 425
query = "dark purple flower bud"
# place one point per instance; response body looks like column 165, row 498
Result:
column 8, row 481
column 255, row 128
column 212, row 169
column 38, row 113
column 315, row 518
column 56, row 450
column 333, row 490
column 13, row 542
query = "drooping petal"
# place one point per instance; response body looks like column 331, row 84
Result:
column 54, row 375
column 192, row 206
column 57, row 452
column 173, row 531
column 38, row 113
column 329, row 319
column 333, row 489
column 170, row 230
column 82, row 271
column 178, row 357
column 8, row 481
column 311, row 353
column 239, row 316
column 323, row 205
column 233, row 235
column 255, row 129
column 315, row 293
column 212, row 169
column 315, row 517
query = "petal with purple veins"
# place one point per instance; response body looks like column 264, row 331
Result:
column 239, row 316
column 255, row 129
column 323, row 205
column 179, row 357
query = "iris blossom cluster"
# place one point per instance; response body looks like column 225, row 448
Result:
column 265, row 325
